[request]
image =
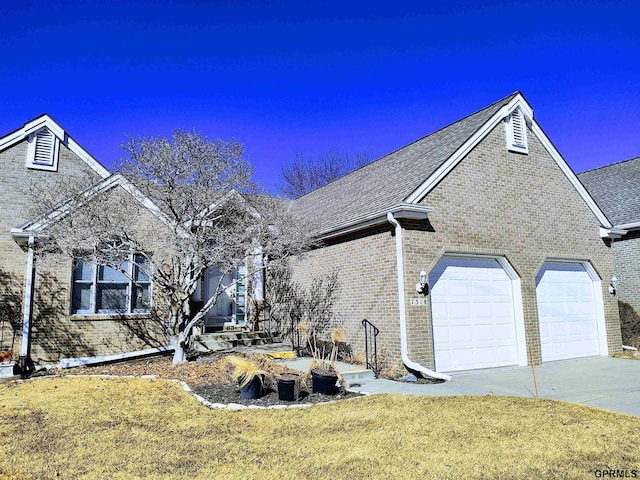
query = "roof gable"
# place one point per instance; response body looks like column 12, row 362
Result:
column 45, row 121
column 390, row 180
column 616, row 190
column 407, row 175
column 37, row 227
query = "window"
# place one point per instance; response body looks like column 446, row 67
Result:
column 516, row 132
column 42, row 153
column 101, row 289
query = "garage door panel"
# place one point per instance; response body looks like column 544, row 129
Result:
column 461, row 334
column 483, row 334
column 503, row 311
column 462, row 359
column 459, row 310
column 458, row 288
column 505, row 353
column 566, row 312
column 480, row 311
column 502, row 290
column 503, row 333
column 480, row 289
column 474, row 298
column 485, row 356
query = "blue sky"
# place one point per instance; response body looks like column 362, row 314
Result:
column 292, row 76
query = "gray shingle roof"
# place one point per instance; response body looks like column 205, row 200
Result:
column 616, row 190
column 386, row 182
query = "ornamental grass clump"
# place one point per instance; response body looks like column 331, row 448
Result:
column 246, row 369
column 325, row 361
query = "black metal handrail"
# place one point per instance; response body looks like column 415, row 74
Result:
column 371, row 354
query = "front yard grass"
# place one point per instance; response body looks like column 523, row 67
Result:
column 90, row 427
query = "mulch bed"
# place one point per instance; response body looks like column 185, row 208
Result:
column 210, row 378
column 230, row 393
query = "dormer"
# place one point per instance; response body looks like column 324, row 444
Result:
column 43, row 150
column 516, row 129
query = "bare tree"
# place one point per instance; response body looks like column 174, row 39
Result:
column 304, row 174
column 210, row 214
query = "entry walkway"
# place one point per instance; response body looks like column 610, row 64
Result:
column 603, row 382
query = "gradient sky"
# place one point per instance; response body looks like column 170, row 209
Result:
column 292, row 76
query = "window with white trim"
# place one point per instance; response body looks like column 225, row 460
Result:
column 516, row 127
column 43, row 150
column 100, row 289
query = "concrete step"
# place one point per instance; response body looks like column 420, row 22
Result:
column 214, row 342
column 350, row 372
column 6, row 369
column 355, row 376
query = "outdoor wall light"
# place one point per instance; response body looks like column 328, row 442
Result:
column 613, row 286
column 422, row 288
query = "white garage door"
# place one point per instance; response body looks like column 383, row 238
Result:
column 567, row 312
column 473, row 314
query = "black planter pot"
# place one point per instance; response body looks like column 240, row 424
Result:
column 325, row 384
column 253, row 389
column 287, row 389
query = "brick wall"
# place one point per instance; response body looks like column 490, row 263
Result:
column 368, row 284
column 57, row 334
column 626, row 252
column 494, row 202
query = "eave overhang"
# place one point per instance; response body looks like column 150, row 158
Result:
column 407, row 211
column 613, row 232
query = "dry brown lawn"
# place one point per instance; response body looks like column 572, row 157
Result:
column 90, row 427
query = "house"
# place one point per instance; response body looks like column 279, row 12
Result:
column 473, row 247
column 616, row 190
column 70, row 308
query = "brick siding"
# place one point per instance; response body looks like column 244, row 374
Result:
column 626, row 252
column 55, row 333
column 494, row 202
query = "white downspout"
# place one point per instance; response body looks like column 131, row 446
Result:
column 401, row 304
column 25, row 351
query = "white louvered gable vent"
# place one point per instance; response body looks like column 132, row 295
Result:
column 516, row 132
column 42, row 153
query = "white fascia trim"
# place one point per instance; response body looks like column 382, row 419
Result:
column 46, row 121
column 217, row 205
column 402, row 210
column 37, row 227
column 143, row 199
column 614, row 232
column 517, row 102
column 627, row 226
column 88, row 158
column 402, row 309
column 546, row 143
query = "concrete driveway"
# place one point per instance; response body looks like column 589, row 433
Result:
column 603, row 382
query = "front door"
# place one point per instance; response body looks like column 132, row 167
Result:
column 229, row 308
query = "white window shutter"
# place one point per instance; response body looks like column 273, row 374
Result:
column 42, row 153
column 516, row 130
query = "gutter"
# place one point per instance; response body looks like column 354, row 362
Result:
column 402, row 210
column 628, row 226
column 401, row 304
column 613, row 232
